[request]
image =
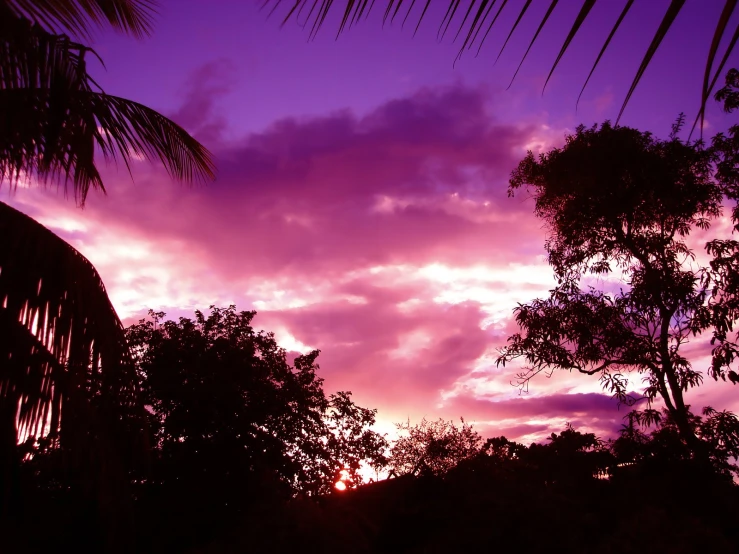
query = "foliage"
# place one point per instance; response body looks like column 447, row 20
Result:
column 651, row 441
column 67, row 369
column 479, row 17
column 620, row 204
column 66, row 380
column 54, row 116
column 432, row 447
column 38, row 316
column 723, row 306
column 77, row 17
column 350, row 440
column 568, row 458
column 591, row 499
column 228, row 411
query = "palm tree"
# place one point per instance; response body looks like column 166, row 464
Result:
column 475, row 23
column 65, row 367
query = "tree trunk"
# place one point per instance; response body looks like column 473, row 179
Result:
column 9, row 462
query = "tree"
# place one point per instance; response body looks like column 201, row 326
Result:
column 432, row 447
column 55, row 362
column 53, row 117
column 620, row 204
column 651, row 441
column 59, row 329
column 475, row 23
column 228, row 411
column 723, row 306
column 351, row 441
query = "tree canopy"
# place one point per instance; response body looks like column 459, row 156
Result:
column 227, row 407
column 619, row 207
column 432, row 447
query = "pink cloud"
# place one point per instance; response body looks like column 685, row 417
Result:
column 387, row 241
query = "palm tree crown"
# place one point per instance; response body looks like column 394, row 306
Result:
column 54, row 116
column 64, row 361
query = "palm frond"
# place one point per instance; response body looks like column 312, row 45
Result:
column 62, row 342
column 726, row 14
column 472, row 27
column 536, row 35
column 616, row 25
column 53, row 117
column 55, row 138
column 66, row 372
column 518, row 20
column 76, row 17
column 31, row 57
column 579, row 20
column 672, row 11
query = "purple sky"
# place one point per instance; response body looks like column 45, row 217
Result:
column 361, row 201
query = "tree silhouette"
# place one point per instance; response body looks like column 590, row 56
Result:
column 349, row 440
column 89, row 381
column 58, row 327
column 432, row 447
column 232, row 420
column 620, row 204
column 475, row 23
column 55, row 115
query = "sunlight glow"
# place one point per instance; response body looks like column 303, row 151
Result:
column 288, row 341
column 67, row 224
column 411, row 345
column 473, row 209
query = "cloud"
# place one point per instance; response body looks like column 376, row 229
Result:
column 529, row 419
column 387, row 241
column 199, row 114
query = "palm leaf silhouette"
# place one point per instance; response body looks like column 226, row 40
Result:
column 134, row 17
column 65, row 368
column 53, row 117
column 313, row 13
column 58, row 326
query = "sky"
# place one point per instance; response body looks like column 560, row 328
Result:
column 361, row 201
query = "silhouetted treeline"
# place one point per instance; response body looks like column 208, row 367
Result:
column 230, row 425
column 243, row 448
column 211, row 490
column 575, row 493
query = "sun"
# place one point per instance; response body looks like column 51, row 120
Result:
column 344, row 477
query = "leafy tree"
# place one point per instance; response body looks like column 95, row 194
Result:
column 620, row 204
column 475, row 23
column 228, row 412
column 723, row 306
column 432, row 447
column 350, row 441
column 652, row 443
column 569, row 459
column 592, row 501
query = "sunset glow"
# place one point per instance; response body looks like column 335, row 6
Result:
column 361, row 203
